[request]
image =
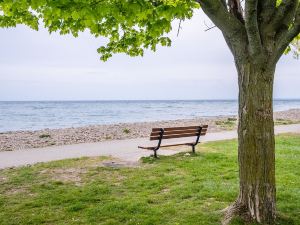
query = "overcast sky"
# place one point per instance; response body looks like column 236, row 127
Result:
column 38, row 66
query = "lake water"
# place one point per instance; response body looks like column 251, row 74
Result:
column 59, row 114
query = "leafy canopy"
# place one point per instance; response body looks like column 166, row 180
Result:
column 130, row 25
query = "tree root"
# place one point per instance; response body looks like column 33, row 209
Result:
column 236, row 210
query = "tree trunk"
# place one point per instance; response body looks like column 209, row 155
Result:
column 256, row 145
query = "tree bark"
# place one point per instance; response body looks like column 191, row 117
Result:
column 256, row 145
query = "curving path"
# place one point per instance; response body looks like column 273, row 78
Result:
column 122, row 149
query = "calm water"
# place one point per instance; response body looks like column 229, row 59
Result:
column 58, row 114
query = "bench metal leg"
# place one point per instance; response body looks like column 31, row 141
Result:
column 197, row 140
column 193, row 148
column 155, row 154
column 159, row 142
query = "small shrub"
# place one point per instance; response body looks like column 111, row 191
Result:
column 280, row 121
column 107, row 137
column 45, row 136
column 232, row 119
column 227, row 124
column 126, row 131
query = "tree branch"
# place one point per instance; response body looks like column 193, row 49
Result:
column 284, row 15
column 287, row 37
column 236, row 9
column 219, row 15
column 232, row 28
column 251, row 24
column 267, row 9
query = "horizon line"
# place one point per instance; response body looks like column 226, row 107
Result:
column 111, row 100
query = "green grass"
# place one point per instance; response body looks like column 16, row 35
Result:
column 181, row 189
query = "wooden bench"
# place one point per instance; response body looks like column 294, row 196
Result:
column 159, row 134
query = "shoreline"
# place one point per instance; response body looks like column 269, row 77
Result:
column 17, row 140
column 117, row 123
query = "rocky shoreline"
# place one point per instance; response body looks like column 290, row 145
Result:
column 16, row 140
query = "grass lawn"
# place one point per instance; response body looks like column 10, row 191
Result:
column 180, row 189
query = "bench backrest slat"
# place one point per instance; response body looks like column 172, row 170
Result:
column 177, row 132
column 176, row 128
column 157, row 133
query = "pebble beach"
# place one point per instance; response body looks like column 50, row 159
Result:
column 16, row 140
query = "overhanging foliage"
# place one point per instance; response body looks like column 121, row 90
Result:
column 130, row 25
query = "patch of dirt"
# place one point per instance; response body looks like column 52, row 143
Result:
column 119, row 164
column 72, row 175
column 118, row 180
column 3, row 179
column 19, row 190
column 165, row 191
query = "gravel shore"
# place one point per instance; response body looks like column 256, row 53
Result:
column 16, row 140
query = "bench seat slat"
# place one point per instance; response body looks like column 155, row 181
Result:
column 169, row 145
column 147, row 148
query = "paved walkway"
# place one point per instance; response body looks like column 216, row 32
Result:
column 123, row 149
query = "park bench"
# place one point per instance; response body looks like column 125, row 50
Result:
column 158, row 134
